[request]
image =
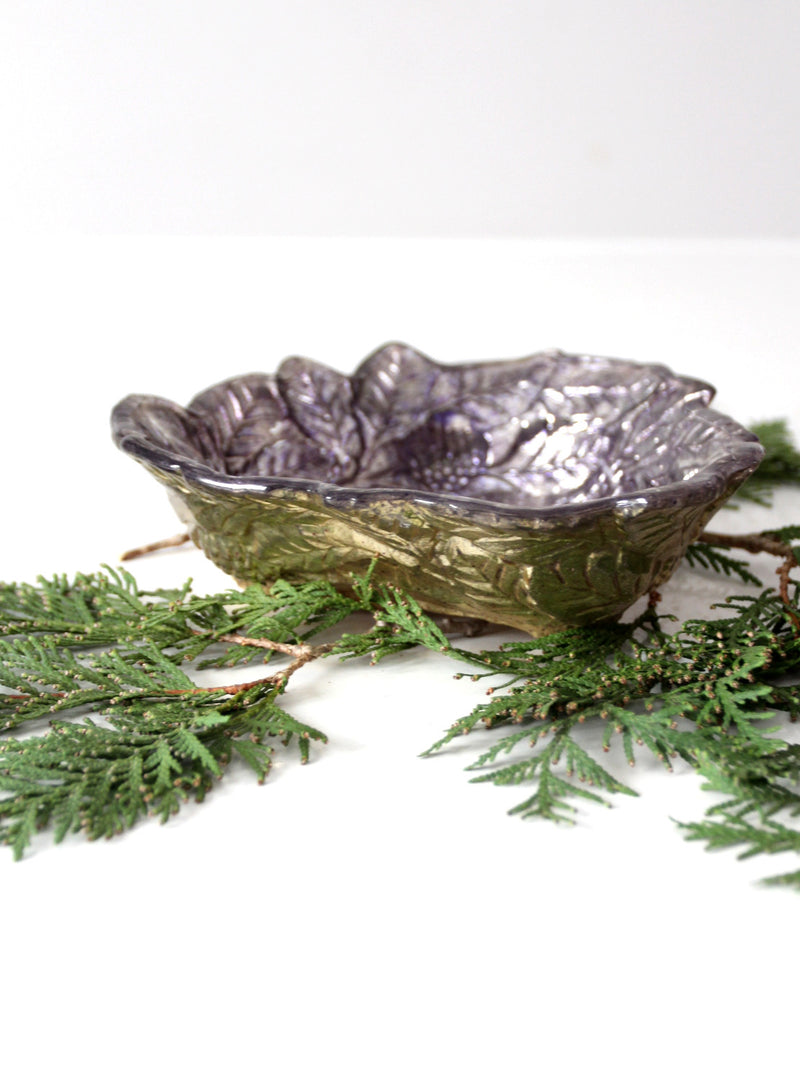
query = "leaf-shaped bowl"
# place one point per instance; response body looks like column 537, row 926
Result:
column 539, row 493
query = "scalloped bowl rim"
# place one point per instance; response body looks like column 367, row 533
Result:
column 706, row 484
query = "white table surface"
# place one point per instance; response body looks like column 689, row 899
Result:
column 372, row 907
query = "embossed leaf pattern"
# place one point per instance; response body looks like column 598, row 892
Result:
column 254, row 431
column 395, row 390
column 547, row 430
column 320, row 402
column 167, row 426
column 247, row 418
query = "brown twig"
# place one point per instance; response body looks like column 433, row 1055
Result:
column 155, row 546
column 30, row 696
column 757, row 543
column 262, row 642
column 783, row 588
column 302, row 654
column 653, row 599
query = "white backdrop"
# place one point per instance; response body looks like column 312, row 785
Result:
column 426, row 117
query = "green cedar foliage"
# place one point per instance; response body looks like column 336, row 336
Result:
column 130, row 733
column 702, row 555
column 780, row 466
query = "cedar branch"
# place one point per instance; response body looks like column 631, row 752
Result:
column 755, row 544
